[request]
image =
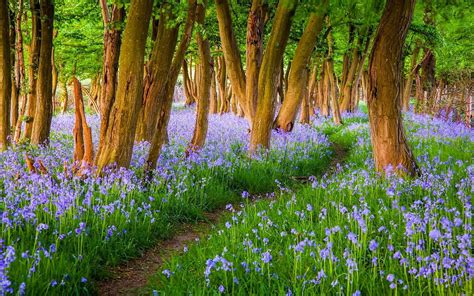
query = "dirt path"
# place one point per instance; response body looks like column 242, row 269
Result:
column 132, row 277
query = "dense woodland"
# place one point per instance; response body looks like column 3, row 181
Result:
column 117, row 72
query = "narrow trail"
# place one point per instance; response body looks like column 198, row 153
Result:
column 132, row 277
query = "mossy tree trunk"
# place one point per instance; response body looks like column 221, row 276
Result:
column 298, row 76
column 157, row 69
column 5, row 75
column 166, row 98
column 33, row 54
column 44, row 107
column 389, row 143
column 19, row 75
column 116, row 145
column 268, row 76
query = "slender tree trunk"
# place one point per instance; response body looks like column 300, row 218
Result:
column 5, row 75
column 409, row 83
column 304, row 114
column 18, row 111
column 44, row 107
column 232, row 55
column 213, row 106
column 117, row 144
column 54, row 78
column 269, row 71
column 112, row 19
column 255, row 31
column 188, row 85
column 389, row 143
column 204, row 87
column 65, row 97
column 298, row 76
column 166, row 101
column 156, row 72
column 34, row 56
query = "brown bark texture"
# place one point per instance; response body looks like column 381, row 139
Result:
column 5, row 75
column 390, row 147
column 44, row 107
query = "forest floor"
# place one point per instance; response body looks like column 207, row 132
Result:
column 131, row 277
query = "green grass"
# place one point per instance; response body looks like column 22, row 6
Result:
column 297, row 227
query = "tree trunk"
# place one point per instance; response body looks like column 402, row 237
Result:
column 298, row 77
column 409, row 82
column 188, row 85
column 156, row 72
column 389, row 144
column 5, row 75
column 255, row 31
column 232, row 55
column 204, row 86
column 34, row 56
column 65, row 97
column 213, row 107
column 166, row 101
column 18, row 113
column 112, row 19
column 268, row 77
column 83, row 147
column 44, row 106
column 54, row 78
column 117, row 144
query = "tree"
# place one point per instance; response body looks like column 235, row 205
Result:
column 298, row 76
column 116, row 144
column 44, row 106
column 166, row 98
column 5, row 75
column 268, row 76
column 157, row 69
column 112, row 18
column 204, row 87
column 389, row 143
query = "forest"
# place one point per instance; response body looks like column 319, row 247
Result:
column 237, row 147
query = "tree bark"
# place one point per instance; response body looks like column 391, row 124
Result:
column 255, row 32
column 389, row 143
column 156, row 72
column 298, row 76
column 268, row 76
column 117, row 144
column 232, row 55
column 44, row 106
column 166, row 101
column 83, row 147
column 204, row 86
column 54, row 79
column 19, row 110
column 5, row 75
column 34, row 55
column 112, row 19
